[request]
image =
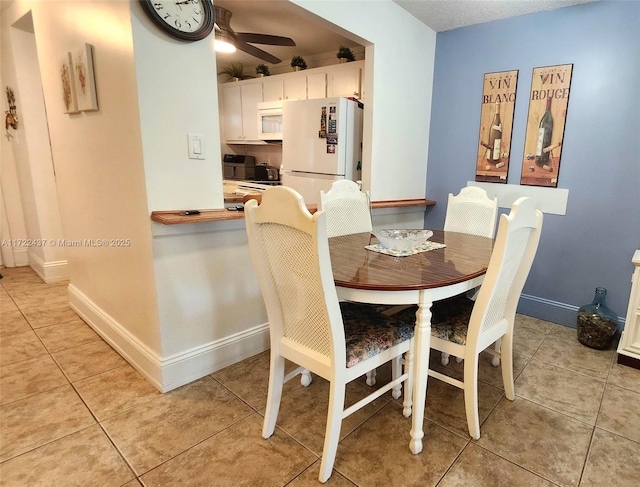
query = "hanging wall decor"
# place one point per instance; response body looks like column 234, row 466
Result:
column 550, row 86
column 496, row 123
column 68, row 85
column 83, row 76
column 11, row 117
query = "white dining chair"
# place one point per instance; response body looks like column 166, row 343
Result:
column 347, row 209
column 471, row 211
column 465, row 328
column 308, row 326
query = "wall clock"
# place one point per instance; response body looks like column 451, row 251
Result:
column 187, row 20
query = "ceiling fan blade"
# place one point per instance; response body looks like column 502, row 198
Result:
column 264, row 39
column 254, row 51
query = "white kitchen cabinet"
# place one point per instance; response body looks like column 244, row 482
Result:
column 345, row 79
column 239, row 101
column 272, row 89
column 629, row 346
column 285, row 88
column 317, row 85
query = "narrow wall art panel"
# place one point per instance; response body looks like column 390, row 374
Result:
column 496, row 124
column 550, row 86
column 69, row 100
column 85, row 83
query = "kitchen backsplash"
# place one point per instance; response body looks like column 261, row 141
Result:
column 271, row 153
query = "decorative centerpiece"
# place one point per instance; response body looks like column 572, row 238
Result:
column 262, row 70
column 597, row 324
column 235, row 72
column 345, row 55
column 297, row 63
column 403, row 240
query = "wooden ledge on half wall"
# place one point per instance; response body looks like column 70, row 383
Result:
column 177, row 217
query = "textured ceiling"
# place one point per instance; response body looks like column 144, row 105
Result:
column 442, row 15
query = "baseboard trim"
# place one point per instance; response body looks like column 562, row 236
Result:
column 554, row 311
column 49, row 272
column 179, row 369
column 21, row 257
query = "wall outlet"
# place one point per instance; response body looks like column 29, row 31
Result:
column 196, row 146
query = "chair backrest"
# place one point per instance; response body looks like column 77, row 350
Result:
column 471, row 211
column 290, row 254
column 513, row 253
column 347, row 209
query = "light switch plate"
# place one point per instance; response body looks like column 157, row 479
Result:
column 196, row 146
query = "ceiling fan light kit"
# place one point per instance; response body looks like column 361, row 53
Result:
column 243, row 40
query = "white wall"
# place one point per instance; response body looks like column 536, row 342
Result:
column 99, row 170
column 177, row 93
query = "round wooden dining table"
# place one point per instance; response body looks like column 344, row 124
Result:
column 368, row 276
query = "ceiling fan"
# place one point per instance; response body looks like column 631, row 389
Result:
column 241, row 40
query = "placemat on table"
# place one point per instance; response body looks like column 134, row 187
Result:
column 425, row 247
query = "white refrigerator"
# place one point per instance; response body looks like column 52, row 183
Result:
column 321, row 143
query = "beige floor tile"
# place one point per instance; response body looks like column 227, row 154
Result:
column 86, row 457
column 526, row 341
column 13, row 322
column 20, row 346
column 574, row 356
column 309, row 478
column 478, row 467
column 237, row 456
column 524, row 321
column 625, row 377
column 303, row 412
column 29, row 377
column 620, row 412
column 545, row 442
column 562, row 390
column 560, row 332
column 54, row 296
column 67, row 335
column 39, row 317
column 187, row 416
column 39, row 419
column 612, row 460
column 87, row 360
column 249, row 379
column 115, row 391
column 377, row 453
column 6, row 303
column 445, row 405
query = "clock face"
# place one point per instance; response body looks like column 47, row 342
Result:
column 189, row 20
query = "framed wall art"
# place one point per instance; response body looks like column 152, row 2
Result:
column 548, row 104
column 85, row 83
column 496, row 124
column 68, row 85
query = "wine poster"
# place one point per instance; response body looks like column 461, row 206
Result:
column 548, row 103
column 496, row 122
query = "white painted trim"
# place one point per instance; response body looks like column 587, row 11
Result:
column 21, row 256
column 548, row 200
column 49, row 271
column 179, row 369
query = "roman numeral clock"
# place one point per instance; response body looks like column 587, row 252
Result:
column 187, row 20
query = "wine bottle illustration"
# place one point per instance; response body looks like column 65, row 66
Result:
column 495, row 138
column 544, row 136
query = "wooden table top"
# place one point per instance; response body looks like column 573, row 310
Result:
column 464, row 257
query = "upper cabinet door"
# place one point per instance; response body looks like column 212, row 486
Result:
column 272, row 90
column 317, row 85
column 251, row 96
column 295, row 88
column 344, row 81
column 232, row 112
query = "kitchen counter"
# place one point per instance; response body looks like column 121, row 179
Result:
column 176, row 217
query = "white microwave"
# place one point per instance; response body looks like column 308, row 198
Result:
column 270, row 120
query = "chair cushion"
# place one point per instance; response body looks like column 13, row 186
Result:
column 369, row 332
column 449, row 318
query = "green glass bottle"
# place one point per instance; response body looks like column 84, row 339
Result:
column 597, row 323
column 495, row 137
column 544, row 136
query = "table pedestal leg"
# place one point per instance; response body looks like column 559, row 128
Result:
column 422, row 340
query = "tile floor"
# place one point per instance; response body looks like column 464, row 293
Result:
column 73, row 412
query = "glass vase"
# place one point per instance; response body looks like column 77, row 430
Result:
column 596, row 323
